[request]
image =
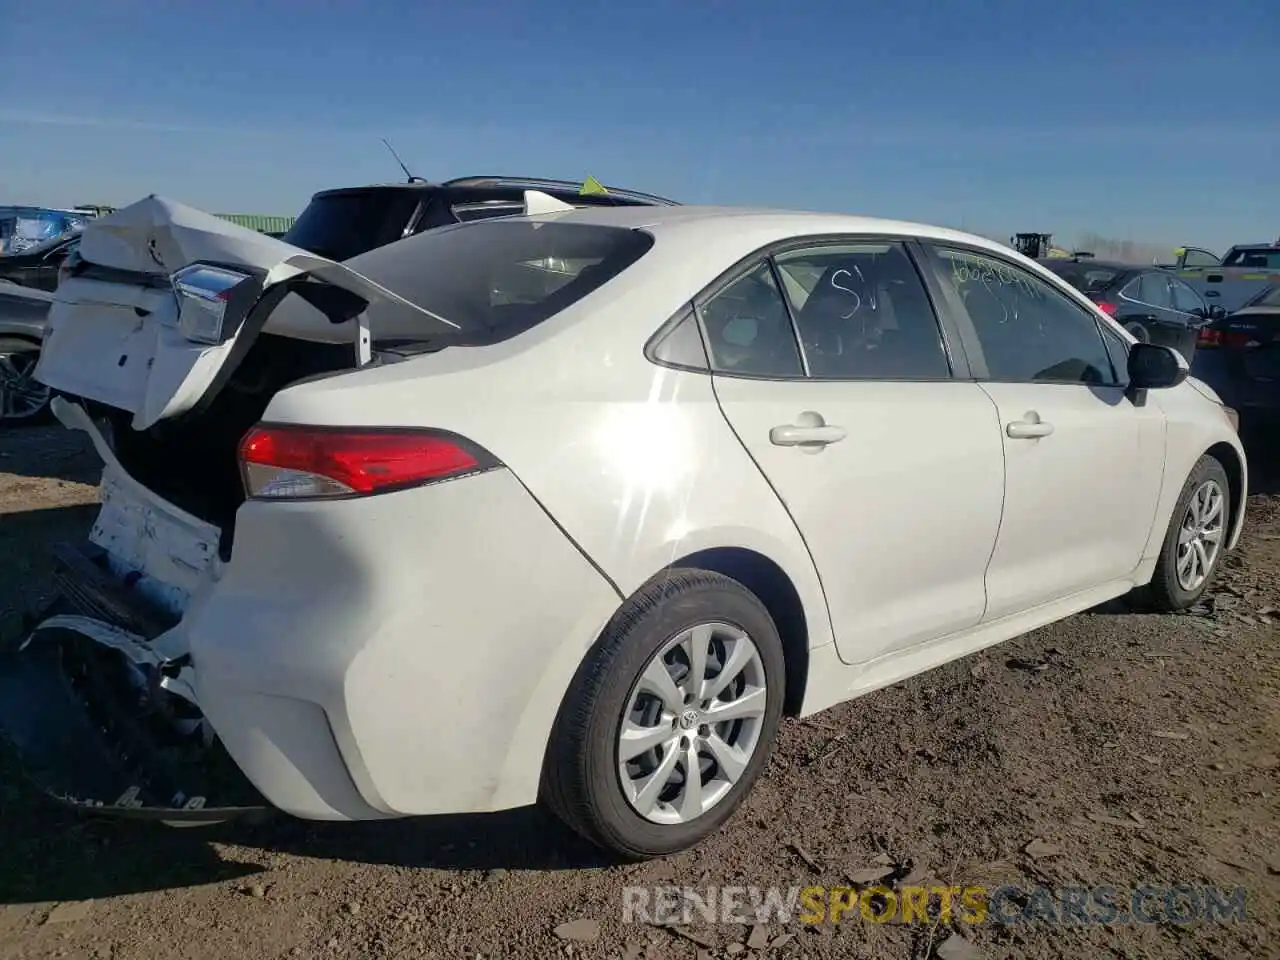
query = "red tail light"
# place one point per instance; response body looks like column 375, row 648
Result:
column 1237, row 338
column 1108, row 308
column 1208, row 337
column 291, row 463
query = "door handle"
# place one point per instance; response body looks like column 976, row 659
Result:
column 1030, row 427
column 811, row 431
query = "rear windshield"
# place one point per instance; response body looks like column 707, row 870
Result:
column 343, row 225
column 1261, row 259
column 496, row 278
column 1086, row 278
column 1268, row 298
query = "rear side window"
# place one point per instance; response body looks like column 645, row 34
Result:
column 1153, row 290
column 749, row 331
column 862, row 313
column 343, row 225
column 1185, row 300
column 497, row 278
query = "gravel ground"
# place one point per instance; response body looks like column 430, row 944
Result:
column 1131, row 749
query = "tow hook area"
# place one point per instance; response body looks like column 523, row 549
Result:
column 103, row 731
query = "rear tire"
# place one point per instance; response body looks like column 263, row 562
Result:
column 23, row 400
column 638, row 685
column 1195, row 541
column 1140, row 332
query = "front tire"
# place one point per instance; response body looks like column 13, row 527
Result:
column 670, row 718
column 1195, row 541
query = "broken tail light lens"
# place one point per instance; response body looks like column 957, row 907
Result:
column 307, row 463
column 203, row 293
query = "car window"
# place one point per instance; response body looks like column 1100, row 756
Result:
column 345, row 224
column 1184, row 298
column 1027, row 330
column 1199, row 258
column 681, row 344
column 748, row 328
column 1262, row 259
column 495, row 278
column 1268, row 298
column 1085, row 277
column 1153, row 290
column 865, row 313
column 484, row 210
column 1118, row 350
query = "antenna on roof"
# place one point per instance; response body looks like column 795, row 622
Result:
column 412, row 178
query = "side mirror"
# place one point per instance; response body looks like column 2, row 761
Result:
column 1152, row 367
column 1217, row 313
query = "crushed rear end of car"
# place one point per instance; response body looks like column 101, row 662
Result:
column 285, row 598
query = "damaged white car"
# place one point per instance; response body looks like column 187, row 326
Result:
column 573, row 506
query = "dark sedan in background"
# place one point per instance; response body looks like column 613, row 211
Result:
column 1151, row 303
column 1239, row 356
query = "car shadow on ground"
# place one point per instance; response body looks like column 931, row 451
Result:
column 50, row 452
column 52, row 855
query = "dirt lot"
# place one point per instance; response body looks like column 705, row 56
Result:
column 1136, row 749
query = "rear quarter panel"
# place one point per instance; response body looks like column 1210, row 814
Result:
column 635, row 462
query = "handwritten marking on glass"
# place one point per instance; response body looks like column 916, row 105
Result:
column 857, row 298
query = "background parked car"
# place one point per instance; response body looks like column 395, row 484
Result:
column 1239, row 356
column 344, row 222
column 1151, row 303
column 1246, row 270
column 38, row 266
column 22, row 316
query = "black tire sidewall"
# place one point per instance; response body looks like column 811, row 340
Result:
column 1170, row 593
column 19, row 345
column 647, row 623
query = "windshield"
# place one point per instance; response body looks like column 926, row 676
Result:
column 342, row 225
column 497, row 278
column 1087, row 278
column 1262, row 259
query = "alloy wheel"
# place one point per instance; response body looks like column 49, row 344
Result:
column 22, row 397
column 1200, row 535
column 692, row 723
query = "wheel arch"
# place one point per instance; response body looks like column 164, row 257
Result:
column 773, row 588
column 1233, row 464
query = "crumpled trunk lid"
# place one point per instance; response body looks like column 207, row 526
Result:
column 117, row 334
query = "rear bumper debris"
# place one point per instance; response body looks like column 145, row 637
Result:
column 97, row 730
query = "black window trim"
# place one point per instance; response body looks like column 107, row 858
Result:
column 980, row 373
column 949, row 334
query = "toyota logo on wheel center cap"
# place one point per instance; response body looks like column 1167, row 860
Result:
column 689, row 719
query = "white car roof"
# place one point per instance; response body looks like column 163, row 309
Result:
column 759, row 222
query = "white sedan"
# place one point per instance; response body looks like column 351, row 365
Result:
column 574, row 507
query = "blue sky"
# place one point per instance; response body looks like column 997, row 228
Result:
column 1153, row 121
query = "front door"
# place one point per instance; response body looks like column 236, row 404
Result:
column 1083, row 463
column 890, row 467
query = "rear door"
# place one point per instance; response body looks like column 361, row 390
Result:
column 165, row 296
column 1083, row 463
column 832, row 369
